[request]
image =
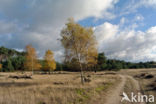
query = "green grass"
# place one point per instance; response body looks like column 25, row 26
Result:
column 83, row 93
column 86, row 94
column 102, row 87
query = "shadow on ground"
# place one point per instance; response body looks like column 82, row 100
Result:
column 16, row 84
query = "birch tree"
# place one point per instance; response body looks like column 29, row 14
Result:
column 50, row 63
column 80, row 44
column 31, row 62
column 0, row 67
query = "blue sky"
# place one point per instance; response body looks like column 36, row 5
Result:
column 124, row 29
column 148, row 14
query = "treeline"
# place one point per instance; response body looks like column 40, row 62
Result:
column 108, row 64
column 12, row 60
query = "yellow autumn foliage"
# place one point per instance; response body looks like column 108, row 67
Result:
column 0, row 67
column 50, row 63
column 79, row 43
column 31, row 62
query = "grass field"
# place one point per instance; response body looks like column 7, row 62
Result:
column 66, row 88
column 55, row 88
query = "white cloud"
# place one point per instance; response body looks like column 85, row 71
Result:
column 148, row 3
column 139, row 17
column 127, row 44
column 122, row 21
column 131, row 6
column 105, row 32
column 40, row 21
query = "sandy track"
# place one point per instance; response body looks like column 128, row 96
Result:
column 115, row 95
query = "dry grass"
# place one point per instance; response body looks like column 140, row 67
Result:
column 55, row 89
column 146, row 79
column 66, row 88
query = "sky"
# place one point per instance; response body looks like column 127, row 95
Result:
column 124, row 29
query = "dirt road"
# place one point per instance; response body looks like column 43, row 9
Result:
column 127, row 84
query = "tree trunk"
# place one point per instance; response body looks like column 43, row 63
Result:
column 49, row 71
column 82, row 76
column 32, row 66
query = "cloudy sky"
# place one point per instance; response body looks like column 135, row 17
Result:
column 125, row 29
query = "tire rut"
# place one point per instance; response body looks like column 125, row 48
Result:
column 115, row 95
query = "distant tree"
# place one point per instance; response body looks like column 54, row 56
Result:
column 59, row 66
column 0, row 67
column 102, row 65
column 3, row 54
column 73, row 65
column 31, row 62
column 18, row 62
column 79, row 43
column 6, row 53
column 9, row 65
column 50, row 63
column 92, row 56
column 116, row 66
